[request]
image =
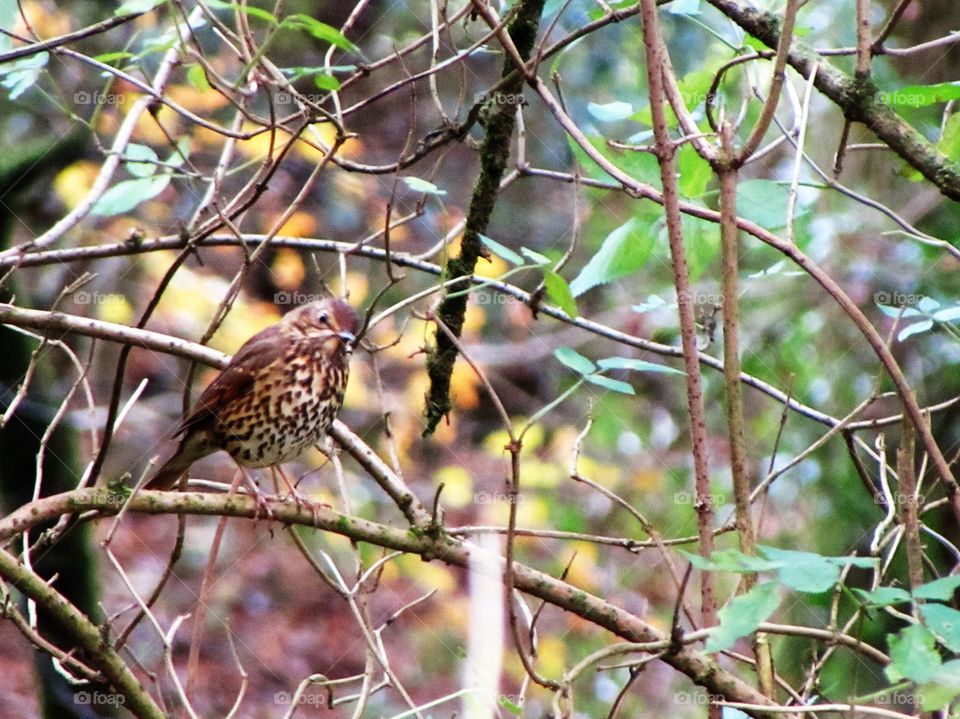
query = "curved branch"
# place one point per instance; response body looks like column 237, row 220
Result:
column 696, row 665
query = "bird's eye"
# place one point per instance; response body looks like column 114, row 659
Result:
column 324, row 317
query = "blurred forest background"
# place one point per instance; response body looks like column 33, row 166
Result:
column 198, row 169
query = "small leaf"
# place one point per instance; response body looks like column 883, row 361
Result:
column 319, row 30
column 536, row 257
column 913, row 654
column 427, row 188
column 945, row 622
column 653, row 302
column 135, row 7
column 743, row 615
column 883, row 596
column 891, row 311
column 804, row 571
column 510, row 706
column 763, row 202
column 730, row 560
column 615, row 385
column 922, row 95
column 126, row 195
column 501, row 250
column 197, row 77
column 947, row 315
column 21, row 75
column 109, row 57
column 326, row 81
column 574, row 360
column 914, row 329
column 636, row 364
column 558, row 291
column 684, row 7
column 942, row 689
column 939, row 589
column 928, row 305
column 256, row 12
column 610, row 112
column 623, row 251
column 140, row 160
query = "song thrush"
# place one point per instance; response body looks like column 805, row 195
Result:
column 277, row 396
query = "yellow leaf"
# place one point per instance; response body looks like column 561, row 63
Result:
column 299, row 224
column 287, row 270
column 457, row 486
column 115, row 308
column 73, row 182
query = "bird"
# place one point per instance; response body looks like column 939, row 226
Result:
column 277, row 396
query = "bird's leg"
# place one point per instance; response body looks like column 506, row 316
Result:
column 263, row 508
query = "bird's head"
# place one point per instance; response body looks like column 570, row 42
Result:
column 326, row 319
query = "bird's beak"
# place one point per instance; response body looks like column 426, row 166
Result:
column 348, row 338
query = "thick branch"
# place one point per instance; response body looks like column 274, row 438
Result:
column 697, row 666
column 494, row 154
column 858, row 99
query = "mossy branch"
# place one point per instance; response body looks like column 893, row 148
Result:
column 494, row 153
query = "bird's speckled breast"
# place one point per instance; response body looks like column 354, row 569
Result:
column 297, row 400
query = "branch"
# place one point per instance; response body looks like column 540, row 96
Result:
column 700, row 668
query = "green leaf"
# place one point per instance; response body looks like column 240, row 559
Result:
column 804, row 571
column 891, row 311
column 948, row 314
column 574, row 360
column 763, row 202
column 883, row 596
column 743, row 615
column 501, row 250
column 684, row 7
column 653, row 302
column 623, row 252
column 140, row 160
column 256, row 12
column 197, row 77
column 135, row 7
column 695, row 172
column 21, row 75
column 942, row 689
column 922, row 95
column 940, row 589
column 126, row 195
column 913, row 654
column 510, row 706
column 914, row 329
column 109, row 57
column 427, row 188
column 611, row 111
column 319, row 30
column 730, row 560
column 636, row 364
column 558, row 291
column 945, row 622
column 326, row 81
column 949, row 142
column 615, row 385
column 534, row 256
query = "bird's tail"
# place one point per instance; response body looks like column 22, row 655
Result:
column 193, row 447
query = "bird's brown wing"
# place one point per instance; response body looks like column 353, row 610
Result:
column 237, row 378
